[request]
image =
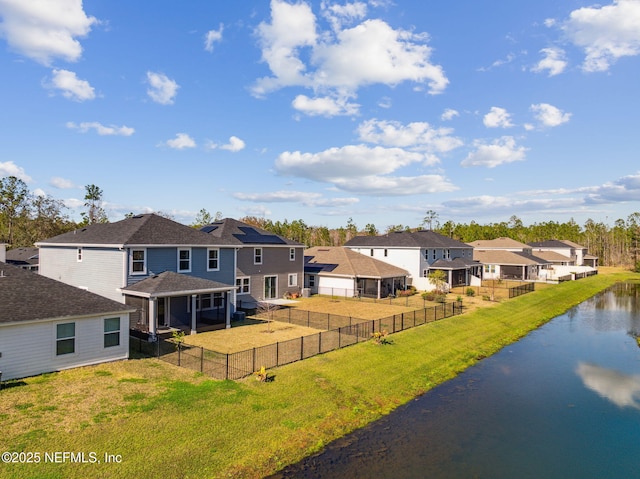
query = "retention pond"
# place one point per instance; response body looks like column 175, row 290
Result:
column 564, row 402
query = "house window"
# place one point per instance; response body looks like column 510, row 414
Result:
column 79, row 256
column 292, row 254
column 184, row 260
column 386, row 252
column 371, row 252
column 203, row 302
column 447, row 254
column 242, row 285
column 257, row 256
column 65, row 338
column 111, row 332
column 213, row 259
column 138, row 263
column 425, row 273
column 489, row 268
column 312, row 281
column 433, row 254
column 217, row 300
column 293, row 279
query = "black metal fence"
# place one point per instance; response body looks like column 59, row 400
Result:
column 244, row 363
column 521, row 289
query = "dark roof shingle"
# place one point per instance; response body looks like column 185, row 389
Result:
column 407, row 239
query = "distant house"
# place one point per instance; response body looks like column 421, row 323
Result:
column 46, row 325
column 267, row 266
column 343, row 272
column 25, row 258
column 109, row 259
column 571, row 254
column 419, row 253
column 506, row 258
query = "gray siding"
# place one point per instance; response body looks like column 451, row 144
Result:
column 30, row 348
column 100, row 270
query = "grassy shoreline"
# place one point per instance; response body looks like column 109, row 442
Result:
column 165, row 421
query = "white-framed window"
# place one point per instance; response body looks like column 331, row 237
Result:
column 138, row 261
column 425, row 273
column 111, row 332
column 489, row 268
column 312, row 281
column 213, row 259
column 447, row 254
column 292, row 254
column 79, row 255
column 293, row 279
column 207, row 301
column 184, row 260
column 243, row 285
column 257, row 255
column 433, row 254
column 65, row 338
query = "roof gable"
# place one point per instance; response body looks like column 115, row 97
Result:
column 28, row 296
column 147, row 229
column 169, row 282
column 342, row 261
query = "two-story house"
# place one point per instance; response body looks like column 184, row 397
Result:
column 267, row 265
column 570, row 253
column 175, row 275
column 506, row 258
column 420, row 253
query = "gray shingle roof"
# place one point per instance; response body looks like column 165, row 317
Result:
column 22, row 256
column 148, row 229
column 239, row 233
column 169, row 282
column 27, row 296
column 407, row 239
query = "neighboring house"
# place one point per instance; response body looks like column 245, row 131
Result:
column 46, row 325
column 570, row 260
column 577, row 255
column 109, row 258
column 341, row 271
column 25, row 258
column 267, row 265
column 506, row 258
column 420, row 253
column 3, row 252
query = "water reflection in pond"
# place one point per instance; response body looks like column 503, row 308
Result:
column 561, row 403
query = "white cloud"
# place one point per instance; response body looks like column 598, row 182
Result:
column 304, row 197
column 623, row 189
column 71, row 86
column 235, row 144
column 449, row 114
column 161, row 88
column 385, row 102
column 339, row 15
column 211, row 37
column 497, row 118
column 9, row 168
column 324, row 106
column 553, row 61
column 549, row 115
column 418, row 136
column 337, row 63
column 351, row 161
column 102, row 130
column 44, row 30
column 181, row 141
column 606, row 33
column 500, row 151
column 396, row 185
column 61, row 183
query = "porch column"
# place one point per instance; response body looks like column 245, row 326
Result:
column 379, row 287
column 167, row 310
column 193, row 313
column 153, row 303
column 227, row 309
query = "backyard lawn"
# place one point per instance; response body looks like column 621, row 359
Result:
column 160, row 420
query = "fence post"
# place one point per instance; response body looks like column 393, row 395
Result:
column 301, row 348
column 308, row 318
column 179, row 351
column 339, row 338
column 328, row 321
column 226, row 373
column 254, row 359
column 319, row 342
column 278, row 353
column 201, row 359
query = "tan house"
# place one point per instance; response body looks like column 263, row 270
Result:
column 506, row 258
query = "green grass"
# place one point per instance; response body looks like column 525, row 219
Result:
column 170, row 422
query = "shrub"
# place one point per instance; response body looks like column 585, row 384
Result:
column 470, row 292
column 429, row 295
column 380, row 337
column 440, row 298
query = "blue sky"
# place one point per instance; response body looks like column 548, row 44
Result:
column 319, row 110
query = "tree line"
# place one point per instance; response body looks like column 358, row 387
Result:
column 26, row 218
